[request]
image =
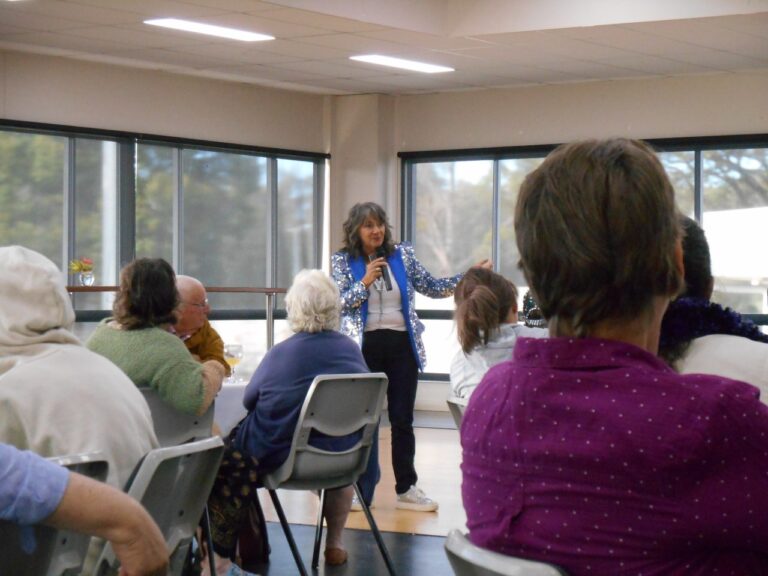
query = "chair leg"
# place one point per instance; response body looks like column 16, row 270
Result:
column 206, row 521
column 288, row 534
column 319, row 531
column 375, row 530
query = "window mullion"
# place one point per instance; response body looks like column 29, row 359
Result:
column 178, row 213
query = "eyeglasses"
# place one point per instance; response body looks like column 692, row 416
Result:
column 203, row 305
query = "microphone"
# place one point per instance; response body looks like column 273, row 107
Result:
column 381, row 253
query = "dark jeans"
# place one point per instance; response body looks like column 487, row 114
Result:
column 389, row 351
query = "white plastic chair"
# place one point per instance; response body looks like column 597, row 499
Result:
column 57, row 552
column 469, row 560
column 174, row 427
column 173, row 484
column 456, row 407
column 335, row 405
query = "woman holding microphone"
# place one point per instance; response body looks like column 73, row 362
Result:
column 378, row 280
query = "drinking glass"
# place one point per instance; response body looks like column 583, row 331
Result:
column 233, row 353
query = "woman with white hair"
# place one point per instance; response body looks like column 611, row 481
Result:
column 273, row 398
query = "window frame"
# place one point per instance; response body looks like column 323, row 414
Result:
column 410, row 159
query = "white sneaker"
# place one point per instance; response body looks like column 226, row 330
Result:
column 356, row 506
column 415, row 499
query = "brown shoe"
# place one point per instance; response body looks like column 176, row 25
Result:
column 335, row 556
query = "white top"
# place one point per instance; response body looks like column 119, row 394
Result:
column 467, row 370
column 730, row 356
column 56, row 396
column 385, row 307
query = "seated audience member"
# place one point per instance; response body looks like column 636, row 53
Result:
column 192, row 324
column 699, row 336
column 138, row 339
column 56, row 396
column 531, row 313
column 35, row 491
column 274, row 396
column 486, row 323
column 588, row 451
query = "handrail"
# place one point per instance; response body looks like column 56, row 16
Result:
column 268, row 292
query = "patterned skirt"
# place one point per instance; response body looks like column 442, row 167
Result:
column 233, row 492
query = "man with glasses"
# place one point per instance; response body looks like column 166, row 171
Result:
column 193, row 326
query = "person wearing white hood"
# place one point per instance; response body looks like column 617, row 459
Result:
column 56, row 396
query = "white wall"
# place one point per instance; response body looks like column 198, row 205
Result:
column 55, row 90
column 680, row 106
column 363, row 165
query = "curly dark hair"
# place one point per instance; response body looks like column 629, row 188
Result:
column 147, row 295
column 698, row 267
column 357, row 215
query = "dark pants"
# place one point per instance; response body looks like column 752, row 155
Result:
column 390, row 351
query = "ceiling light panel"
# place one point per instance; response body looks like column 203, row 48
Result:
column 209, row 29
column 402, row 64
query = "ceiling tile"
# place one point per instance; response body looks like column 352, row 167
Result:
column 155, row 8
column 11, row 16
column 246, row 6
column 339, row 69
column 312, row 49
column 62, row 9
column 238, row 53
column 422, row 40
column 324, row 21
column 64, row 42
column 263, row 25
column 164, row 56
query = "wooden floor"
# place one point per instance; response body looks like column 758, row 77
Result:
column 438, row 456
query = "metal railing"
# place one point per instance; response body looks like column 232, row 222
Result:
column 271, row 313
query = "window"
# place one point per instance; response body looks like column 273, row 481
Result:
column 232, row 216
column 156, row 169
column 459, row 208
column 226, row 220
column 32, row 183
column 735, row 212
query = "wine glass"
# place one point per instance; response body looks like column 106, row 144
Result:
column 233, row 353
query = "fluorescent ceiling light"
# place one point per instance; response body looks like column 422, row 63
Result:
column 211, row 30
column 400, row 63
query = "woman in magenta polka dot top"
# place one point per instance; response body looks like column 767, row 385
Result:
column 585, row 450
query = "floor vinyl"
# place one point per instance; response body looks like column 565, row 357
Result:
column 412, row 555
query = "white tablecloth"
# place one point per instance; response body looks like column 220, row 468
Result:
column 229, row 409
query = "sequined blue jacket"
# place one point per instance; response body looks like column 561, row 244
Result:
column 410, row 276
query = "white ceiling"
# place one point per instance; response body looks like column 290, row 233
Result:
column 490, row 43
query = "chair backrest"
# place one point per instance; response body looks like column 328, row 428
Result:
column 173, row 484
column 335, row 405
column 57, row 552
column 456, row 407
column 173, row 427
column 469, row 560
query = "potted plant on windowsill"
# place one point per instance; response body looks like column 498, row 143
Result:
column 83, row 267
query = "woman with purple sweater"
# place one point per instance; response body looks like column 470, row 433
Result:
column 586, row 450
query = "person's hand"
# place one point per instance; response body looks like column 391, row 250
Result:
column 143, row 551
column 373, row 271
column 487, row 264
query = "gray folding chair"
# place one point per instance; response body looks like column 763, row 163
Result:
column 469, row 560
column 173, row 427
column 173, row 484
column 335, row 405
column 57, row 552
column 456, row 407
